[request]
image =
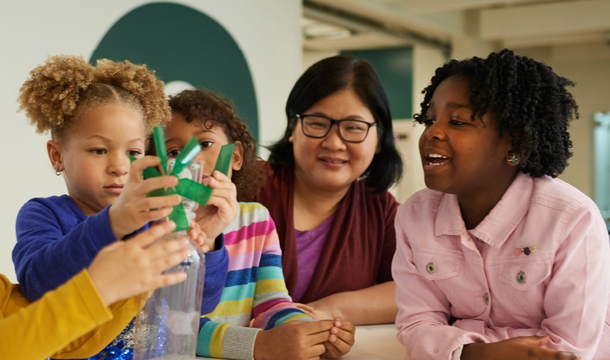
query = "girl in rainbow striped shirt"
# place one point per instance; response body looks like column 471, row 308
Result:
column 255, row 317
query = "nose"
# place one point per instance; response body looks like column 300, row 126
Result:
column 434, row 132
column 333, row 141
column 119, row 164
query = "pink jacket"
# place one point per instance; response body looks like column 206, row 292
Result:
column 561, row 289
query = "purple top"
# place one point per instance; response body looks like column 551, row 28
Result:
column 309, row 249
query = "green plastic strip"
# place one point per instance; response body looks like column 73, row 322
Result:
column 178, row 215
column 151, row 172
column 224, row 159
column 158, row 192
column 132, row 159
column 194, row 191
column 187, row 154
column 160, row 146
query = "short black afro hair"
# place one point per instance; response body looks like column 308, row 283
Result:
column 530, row 103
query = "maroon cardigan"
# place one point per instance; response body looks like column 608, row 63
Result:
column 360, row 245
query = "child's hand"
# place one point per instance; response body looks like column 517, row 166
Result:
column 295, row 340
column 221, row 208
column 199, row 236
column 341, row 339
column 308, row 310
column 126, row 268
column 526, row 347
column 132, row 209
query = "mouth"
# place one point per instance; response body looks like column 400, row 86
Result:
column 114, row 188
column 205, row 179
column 433, row 159
column 332, row 160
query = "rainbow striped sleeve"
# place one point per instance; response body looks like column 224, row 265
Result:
column 255, row 295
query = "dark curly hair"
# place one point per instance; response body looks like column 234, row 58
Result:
column 530, row 103
column 209, row 109
column 325, row 78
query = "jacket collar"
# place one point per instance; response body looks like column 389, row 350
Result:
column 498, row 224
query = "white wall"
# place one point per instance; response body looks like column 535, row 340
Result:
column 267, row 31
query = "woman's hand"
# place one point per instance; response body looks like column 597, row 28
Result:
column 526, row 348
column 133, row 209
column 127, row 268
column 221, row 208
column 341, row 339
column 295, row 340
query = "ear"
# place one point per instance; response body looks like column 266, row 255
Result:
column 55, row 155
column 238, row 156
column 291, row 139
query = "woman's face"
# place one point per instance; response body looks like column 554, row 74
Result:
column 331, row 164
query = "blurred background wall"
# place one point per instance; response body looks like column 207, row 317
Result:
column 254, row 50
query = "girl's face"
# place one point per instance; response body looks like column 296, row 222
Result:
column 95, row 154
column 179, row 132
column 461, row 156
column 331, row 164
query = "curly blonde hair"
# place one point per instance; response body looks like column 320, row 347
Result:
column 61, row 89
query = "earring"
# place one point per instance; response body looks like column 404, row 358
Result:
column 513, row 160
column 57, row 172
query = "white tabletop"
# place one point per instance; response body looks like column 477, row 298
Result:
column 375, row 342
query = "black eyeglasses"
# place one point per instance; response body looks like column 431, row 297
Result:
column 317, row 127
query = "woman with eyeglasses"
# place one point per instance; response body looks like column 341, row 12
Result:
column 327, row 193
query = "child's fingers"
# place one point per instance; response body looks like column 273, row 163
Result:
column 221, row 177
column 156, row 231
column 157, row 202
column 336, row 347
column 550, row 354
column 154, row 215
column 139, row 165
column 342, row 336
column 151, row 184
column 318, row 338
column 159, row 251
column 169, row 260
column 168, row 280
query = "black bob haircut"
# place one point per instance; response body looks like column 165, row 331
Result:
column 530, row 103
column 325, row 78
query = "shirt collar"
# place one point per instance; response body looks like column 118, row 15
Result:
column 498, row 224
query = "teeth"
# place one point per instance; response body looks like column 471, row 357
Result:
column 437, row 156
column 434, row 164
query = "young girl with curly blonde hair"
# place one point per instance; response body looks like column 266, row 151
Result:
column 98, row 117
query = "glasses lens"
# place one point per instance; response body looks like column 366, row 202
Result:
column 354, row 130
column 315, row 126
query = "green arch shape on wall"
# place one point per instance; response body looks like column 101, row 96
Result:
column 184, row 44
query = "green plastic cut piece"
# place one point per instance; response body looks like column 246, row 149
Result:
column 187, row 154
column 157, row 192
column 151, row 172
column 160, row 146
column 195, row 191
column 224, row 159
column 178, row 215
column 132, row 159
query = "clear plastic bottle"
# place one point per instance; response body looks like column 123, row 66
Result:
column 168, row 324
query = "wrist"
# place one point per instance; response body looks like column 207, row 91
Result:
column 259, row 346
column 473, row 351
column 115, row 223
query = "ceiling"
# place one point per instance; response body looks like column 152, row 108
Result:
column 445, row 24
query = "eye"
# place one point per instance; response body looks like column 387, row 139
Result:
column 98, row 151
column 134, row 153
column 454, row 122
column 429, row 121
column 206, row 144
column 173, row 153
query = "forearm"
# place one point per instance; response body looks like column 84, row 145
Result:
column 373, row 305
column 62, row 322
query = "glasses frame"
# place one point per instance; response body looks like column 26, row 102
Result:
column 333, row 122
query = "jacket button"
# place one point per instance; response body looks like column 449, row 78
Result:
column 521, row 277
column 486, row 298
column 431, row 268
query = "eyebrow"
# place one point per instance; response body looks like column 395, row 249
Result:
column 199, row 133
column 108, row 139
column 354, row 117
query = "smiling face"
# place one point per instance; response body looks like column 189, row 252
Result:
column 179, row 132
column 94, row 155
column 460, row 155
column 331, row 164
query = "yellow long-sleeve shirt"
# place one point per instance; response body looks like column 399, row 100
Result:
column 69, row 322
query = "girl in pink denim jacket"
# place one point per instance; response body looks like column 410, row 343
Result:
column 498, row 259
